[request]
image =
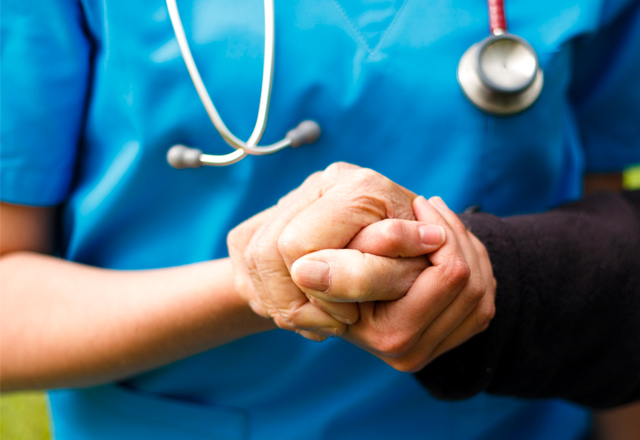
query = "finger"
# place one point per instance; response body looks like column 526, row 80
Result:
column 311, row 335
column 458, row 316
column 475, row 323
column 277, row 291
column 398, row 238
column 261, row 299
column 392, row 328
column 357, row 200
column 484, row 312
column 347, row 313
column 439, row 284
column 468, row 298
column 284, row 301
column 313, row 319
column 237, row 241
column 348, row 275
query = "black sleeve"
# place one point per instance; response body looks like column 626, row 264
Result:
column 567, row 320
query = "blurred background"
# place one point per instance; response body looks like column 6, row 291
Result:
column 23, row 416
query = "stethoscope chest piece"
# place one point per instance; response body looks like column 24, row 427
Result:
column 501, row 74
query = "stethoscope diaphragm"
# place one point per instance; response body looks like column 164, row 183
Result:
column 501, row 74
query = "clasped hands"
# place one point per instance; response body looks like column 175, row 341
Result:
column 352, row 254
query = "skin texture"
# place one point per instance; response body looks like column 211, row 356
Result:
column 331, row 208
column 64, row 324
column 54, row 334
column 334, row 210
column 450, row 301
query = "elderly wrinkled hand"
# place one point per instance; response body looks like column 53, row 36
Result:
column 451, row 301
column 326, row 212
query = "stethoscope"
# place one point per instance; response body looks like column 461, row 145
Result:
column 500, row 75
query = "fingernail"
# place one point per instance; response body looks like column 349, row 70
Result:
column 328, row 331
column 311, row 336
column 432, row 235
column 258, row 309
column 437, row 201
column 314, row 275
column 342, row 320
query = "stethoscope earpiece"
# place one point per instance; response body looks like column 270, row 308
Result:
column 181, row 157
column 307, row 132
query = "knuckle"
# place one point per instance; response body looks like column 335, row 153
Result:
column 335, row 171
column 394, row 345
column 338, row 168
column 458, row 271
column 393, row 234
column 368, row 178
column 291, row 246
column 476, row 289
column 408, row 364
column 485, row 315
column 493, row 284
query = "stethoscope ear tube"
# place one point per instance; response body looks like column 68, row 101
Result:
column 180, row 156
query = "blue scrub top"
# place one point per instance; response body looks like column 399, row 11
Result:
column 96, row 92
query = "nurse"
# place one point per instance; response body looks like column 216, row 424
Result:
column 98, row 94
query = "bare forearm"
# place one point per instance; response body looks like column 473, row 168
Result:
column 66, row 324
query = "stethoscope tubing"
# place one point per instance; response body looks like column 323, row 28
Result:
column 497, row 17
column 251, row 146
column 474, row 83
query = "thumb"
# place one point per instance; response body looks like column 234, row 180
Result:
column 348, row 275
column 399, row 238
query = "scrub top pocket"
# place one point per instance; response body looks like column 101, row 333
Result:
column 115, row 412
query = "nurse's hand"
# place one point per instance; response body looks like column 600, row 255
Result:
column 326, row 212
column 450, row 302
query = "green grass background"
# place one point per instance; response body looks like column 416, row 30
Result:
column 23, row 416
